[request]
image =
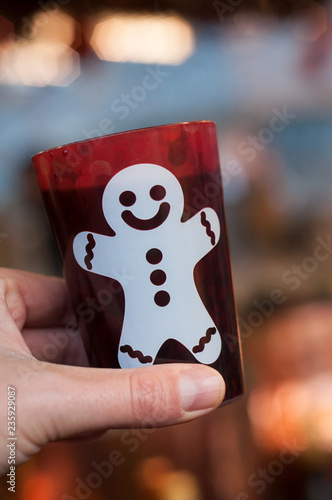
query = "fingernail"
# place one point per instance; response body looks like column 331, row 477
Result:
column 201, row 388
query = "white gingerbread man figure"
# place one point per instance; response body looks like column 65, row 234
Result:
column 144, row 204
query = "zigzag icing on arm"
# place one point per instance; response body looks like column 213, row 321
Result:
column 89, row 253
column 208, row 229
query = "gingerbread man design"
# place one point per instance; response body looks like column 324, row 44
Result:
column 144, row 204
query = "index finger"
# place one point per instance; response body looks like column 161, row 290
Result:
column 35, row 300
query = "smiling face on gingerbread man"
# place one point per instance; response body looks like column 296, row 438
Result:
column 142, row 198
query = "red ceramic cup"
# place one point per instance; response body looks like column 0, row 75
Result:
column 139, row 221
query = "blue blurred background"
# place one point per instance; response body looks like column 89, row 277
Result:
column 262, row 71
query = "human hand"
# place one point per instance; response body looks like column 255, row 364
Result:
column 57, row 401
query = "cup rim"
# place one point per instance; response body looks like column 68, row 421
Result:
column 95, row 139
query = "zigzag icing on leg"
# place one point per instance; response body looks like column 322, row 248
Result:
column 204, row 340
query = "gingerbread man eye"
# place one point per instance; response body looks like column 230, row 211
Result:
column 157, row 193
column 127, row 198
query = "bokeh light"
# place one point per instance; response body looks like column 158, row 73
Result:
column 143, row 38
column 57, row 27
column 43, row 56
column 38, row 64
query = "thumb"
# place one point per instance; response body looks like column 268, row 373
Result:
column 63, row 401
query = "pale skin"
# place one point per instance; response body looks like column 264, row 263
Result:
column 65, row 398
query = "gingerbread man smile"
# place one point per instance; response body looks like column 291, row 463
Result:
column 147, row 224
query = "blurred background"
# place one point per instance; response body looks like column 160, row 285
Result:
column 262, row 70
